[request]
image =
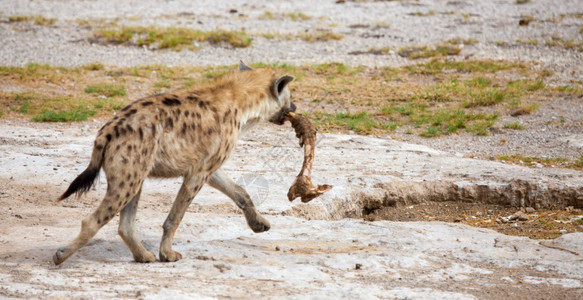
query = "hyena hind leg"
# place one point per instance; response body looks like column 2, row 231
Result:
column 112, row 203
column 127, row 231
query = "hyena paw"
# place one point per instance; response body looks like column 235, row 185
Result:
column 146, row 257
column 259, row 224
column 61, row 255
column 172, row 256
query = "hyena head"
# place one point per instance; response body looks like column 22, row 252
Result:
column 281, row 103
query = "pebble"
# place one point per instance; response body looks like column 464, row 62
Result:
column 520, row 216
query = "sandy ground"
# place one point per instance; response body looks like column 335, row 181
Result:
column 297, row 258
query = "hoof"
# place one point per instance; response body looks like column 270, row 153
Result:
column 171, row 257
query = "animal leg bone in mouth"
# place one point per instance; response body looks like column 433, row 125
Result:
column 302, row 185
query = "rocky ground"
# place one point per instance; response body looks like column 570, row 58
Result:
column 340, row 245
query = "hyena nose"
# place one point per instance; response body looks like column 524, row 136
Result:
column 292, row 107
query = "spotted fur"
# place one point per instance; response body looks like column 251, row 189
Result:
column 187, row 133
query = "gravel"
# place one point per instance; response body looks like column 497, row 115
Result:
column 363, row 24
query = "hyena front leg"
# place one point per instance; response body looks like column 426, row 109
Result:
column 222, row 182
column 188, row 190
column 127, row 231
column 112, row 203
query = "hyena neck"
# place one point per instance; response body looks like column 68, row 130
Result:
column 251, row 117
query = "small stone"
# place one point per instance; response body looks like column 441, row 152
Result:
column 520, row 216
column 277, row 248
column 562, row 231
column 502, row 220
column 358, row 266
column 530, row 210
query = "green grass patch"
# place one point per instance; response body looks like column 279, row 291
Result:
column 320, row 36
column 417, row 52
column 514, row 125
column 24, row 107
column 82, row 113
column 570, row 44
column 436, row 122
column 531, row 161
column 361, row 122
column 37, row 20
column 460, row 41
column 106, row 89
column 298, row 16
column 437, row 66
column 61, row 108
column 170, row 37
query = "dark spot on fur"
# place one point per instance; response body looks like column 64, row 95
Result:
column 147, row 103
column 127, row 194
column 106, row 219
column 198, row 116
column 210, row 131
column 227, row 113
column 141, row 132
column 124, row 160
column 169, row 123
column 184, row 127
column 192, row 97
column 117, row 147
column 116, row 131
column 130, row 148
column 171, row 100
column 110, row 209
column 122, row 184
column 154, row 129
column 98, row 147
column 108, row 136
column 131, row 112
column 126, row 108
column 122, row 131
column 203, row 104
column 236, row 111
column 98, row 221
column 129, row 176
column 186, row 113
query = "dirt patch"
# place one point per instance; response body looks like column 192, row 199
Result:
column 535, row 224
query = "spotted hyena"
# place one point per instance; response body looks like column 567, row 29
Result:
column 189, row 134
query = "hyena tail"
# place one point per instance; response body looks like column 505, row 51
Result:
column 87, row 178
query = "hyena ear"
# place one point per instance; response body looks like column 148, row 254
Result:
column 279, row 84
column 244, row 67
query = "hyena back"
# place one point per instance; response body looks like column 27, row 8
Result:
column 188, row 133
